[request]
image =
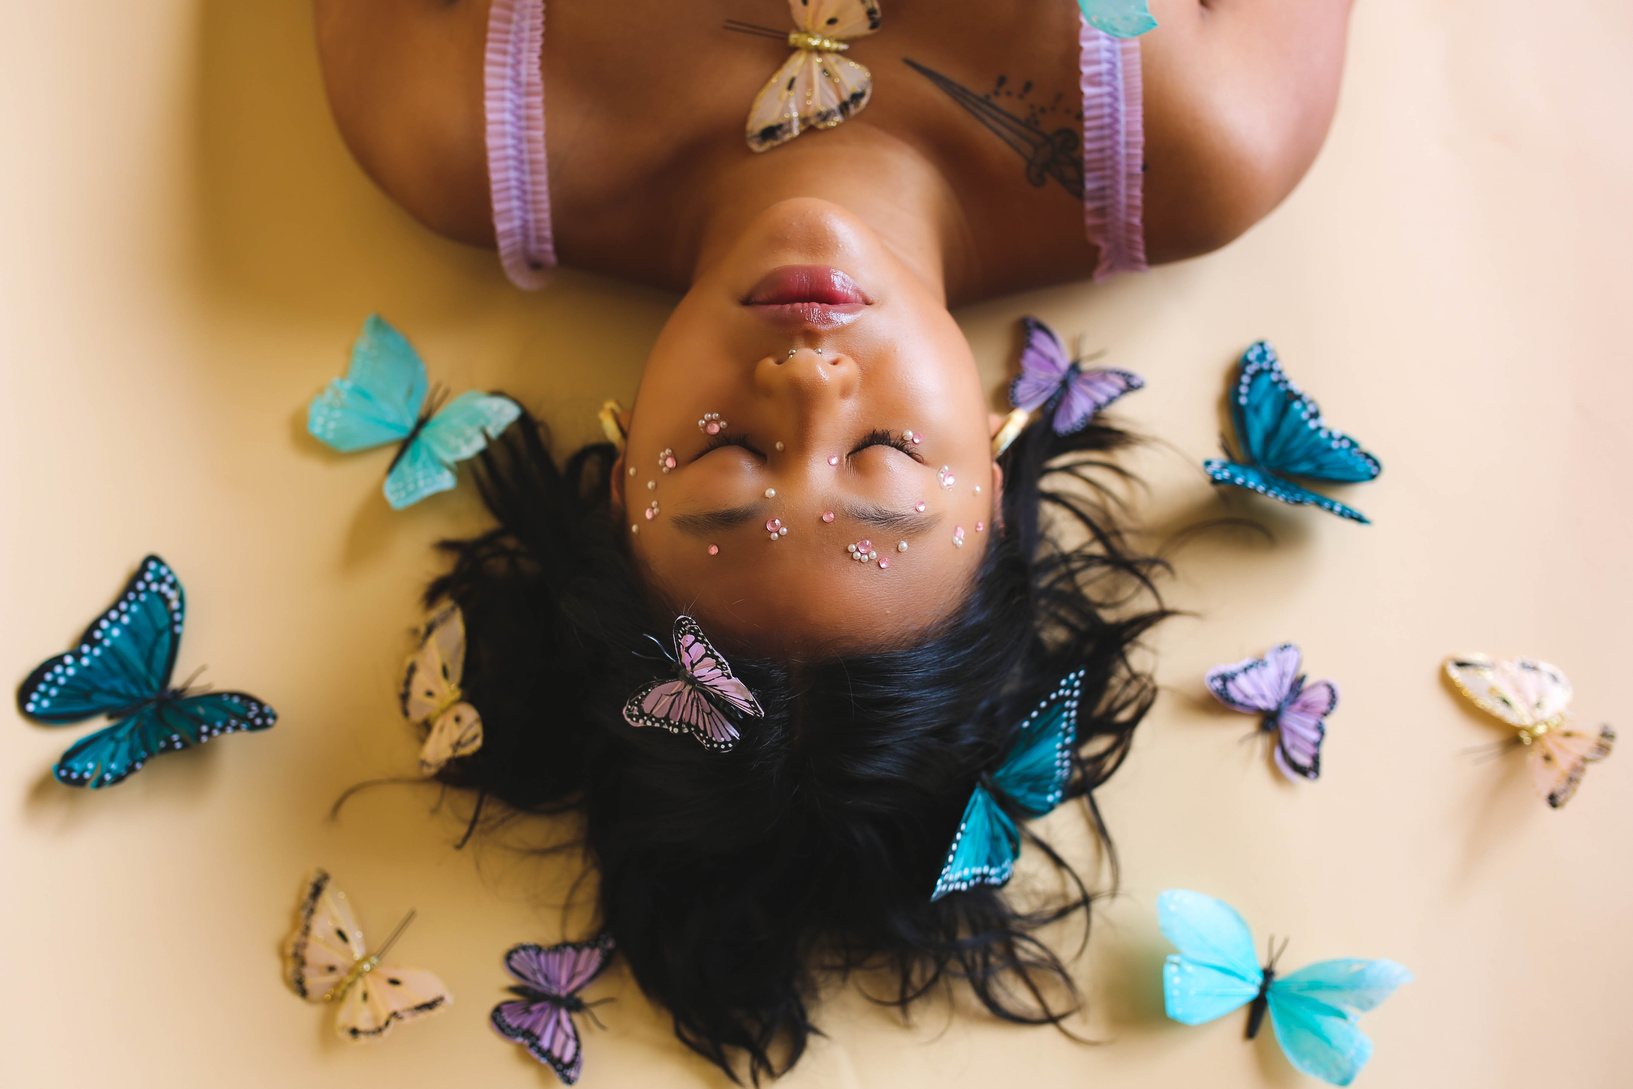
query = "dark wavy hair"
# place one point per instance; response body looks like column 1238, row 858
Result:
column 731, row 882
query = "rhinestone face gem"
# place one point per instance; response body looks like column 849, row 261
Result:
column 827, row 516
column 945, row 475
column 714, row 550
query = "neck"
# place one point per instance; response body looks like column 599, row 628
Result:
column 891, row 186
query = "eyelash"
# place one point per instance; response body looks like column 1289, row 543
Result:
column 877, row 437
column 725, row 439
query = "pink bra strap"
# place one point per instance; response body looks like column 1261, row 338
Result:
column 518, row 177
column 1113, row 150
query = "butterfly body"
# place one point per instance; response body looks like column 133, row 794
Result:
column 1313, row 1010
column 431, row 696
column 1032, row 779
column 121, row 667
column 1534, row 698
column 540, row 1016
column 1053, row 381
column 816, row 87
column 1273, row 688
column 1280, row 433
column 383, row 398
column 686, row 705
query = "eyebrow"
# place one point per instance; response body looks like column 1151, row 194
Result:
column 703, row 523
column 910, row 523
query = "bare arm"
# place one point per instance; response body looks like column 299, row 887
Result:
column 1238, row 98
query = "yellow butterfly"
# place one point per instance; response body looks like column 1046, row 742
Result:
column 1532, row 696
column 326, row 960
column 816, row 87
column 431, row 696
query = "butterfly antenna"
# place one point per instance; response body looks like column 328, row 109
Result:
column 395, row 934
column 1485, row 754
column 661, row 647
column 185, row 687
column 1079, row 356
column 589, row 1011
column 758, row 31
column 1275, row 951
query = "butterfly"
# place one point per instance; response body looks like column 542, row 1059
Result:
column 1312, row 1010
column 120, row 667
column 1032, row 778
column 1119, row 18
column 683, row 706
column 1280, row 431
column 539, row 1018
column 1532, row 696
column 1273, row 687
column 1049, row 377
column 326, row 960
column 816, row 87
column 383, row 398
column 431, row 696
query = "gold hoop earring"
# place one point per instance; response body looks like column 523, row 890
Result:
column 612, row 425
column 1012, row 427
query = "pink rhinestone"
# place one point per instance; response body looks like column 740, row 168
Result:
column 958, row 531
column 669, row 463
column 773, row 524
column 884, row 563
column 916, row 437
column 919, row 508
column 712, row 428
column 651, row 513
column 833, row 459
column 864, row 545
column 980, row 527
column 714, row 550
column 827, row 516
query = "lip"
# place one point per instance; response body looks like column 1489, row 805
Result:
column 815, row 296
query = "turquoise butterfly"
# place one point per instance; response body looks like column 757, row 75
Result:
column 1313, row 1010
column 383, row 399
column 1032, row 778
column 1119, row 18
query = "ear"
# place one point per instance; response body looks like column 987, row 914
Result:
column 615, row 424
column 616, row 484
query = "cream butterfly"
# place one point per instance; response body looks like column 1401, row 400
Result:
column 326, row 961
column 431, row 696
column 816, row 87
column 1533, row 696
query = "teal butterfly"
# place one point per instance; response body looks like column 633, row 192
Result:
column 383, row 399
column 1119, row 18
column 1313, row 1010
column 1032, row 779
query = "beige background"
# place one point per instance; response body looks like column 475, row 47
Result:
column 186, row 253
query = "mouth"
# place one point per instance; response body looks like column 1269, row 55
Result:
column 813, row 296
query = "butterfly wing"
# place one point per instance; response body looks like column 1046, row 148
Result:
column 1256, row 686
column 836, row 18
column 542, row 1024
column 1089, row 391
column 385, row 996
column 1314, row 1011
column 1215, row 970
column 1300, row 728
column 1267, row 483
column 378, row 401
column 113, row 754
column 122, row 659
column 1281, row 428
column 1560, row 757
column 984, row 850
column 810, row 90
column 546, row 1030
column 681, row 708
column 456, row 733
column 326, row 942
column 559, row 970
column 459, row 431
column 1044, row 365
column 707, row 667
column 1039, row 764
column 1119, row 18
column 1523, row 692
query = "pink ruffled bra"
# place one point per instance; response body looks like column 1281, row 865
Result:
column 519, row 174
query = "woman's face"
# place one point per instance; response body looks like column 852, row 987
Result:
column 809, row 394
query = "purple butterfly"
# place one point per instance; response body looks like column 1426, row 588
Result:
column 1048, row 376
column 540, row 1017
column 683, row 706
column 1273, row 687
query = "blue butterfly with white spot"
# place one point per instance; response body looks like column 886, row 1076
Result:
column 1032, row 779
column 1119, row 18
column 1312, row 1010
column 121, row 668
column 382, row 399
column 1280, row 432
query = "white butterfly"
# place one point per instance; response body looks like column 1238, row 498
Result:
column 431, row 696
column 326, row 960
column 816, row 87
column 1533, row 697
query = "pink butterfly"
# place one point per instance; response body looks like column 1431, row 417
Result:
column 683, row 706
column 1273, row 687
column 1050, row 377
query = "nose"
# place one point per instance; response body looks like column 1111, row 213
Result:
column 810, row 385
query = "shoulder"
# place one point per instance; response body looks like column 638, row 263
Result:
column 1239, row 95
column 404, row 80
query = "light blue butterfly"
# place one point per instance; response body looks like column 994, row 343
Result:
column 1313, row 1010
column 1119, row 18
column 1032, row 778
column 383, row 399
column 1280, row 432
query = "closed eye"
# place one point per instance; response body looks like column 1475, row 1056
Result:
column 725, row 439
column 881, row 437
